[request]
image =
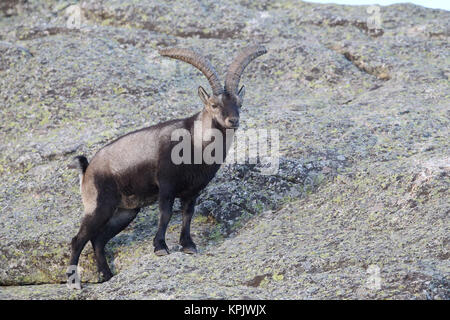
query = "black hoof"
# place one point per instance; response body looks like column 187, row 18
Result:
column 190, row 250
column 105, row 276
column 161, row 248
column 189, row 246
column 161, row 252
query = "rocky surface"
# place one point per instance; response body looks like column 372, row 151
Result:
column 358, row 209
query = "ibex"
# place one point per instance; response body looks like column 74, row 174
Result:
column 136, row 169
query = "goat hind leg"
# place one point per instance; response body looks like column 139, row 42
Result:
column 90, row 225
column 119, row 221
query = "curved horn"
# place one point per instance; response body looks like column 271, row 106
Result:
column 238, row 65
column 197, row 60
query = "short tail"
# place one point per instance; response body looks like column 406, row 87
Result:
column 80, row 163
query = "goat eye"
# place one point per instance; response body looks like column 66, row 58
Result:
column 214, row 106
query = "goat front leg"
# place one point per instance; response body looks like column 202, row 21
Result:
column 185, row 237
column 166, row 199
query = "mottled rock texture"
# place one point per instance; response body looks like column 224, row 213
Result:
column 358, row 209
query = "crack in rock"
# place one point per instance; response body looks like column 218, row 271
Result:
column 380, row 70
column 240, row 190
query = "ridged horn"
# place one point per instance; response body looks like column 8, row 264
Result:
column 200, row 62
column 238, row 65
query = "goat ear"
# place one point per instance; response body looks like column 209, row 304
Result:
column 241, row 93
column 203, row 94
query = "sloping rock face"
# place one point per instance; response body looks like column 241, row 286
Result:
column 358, row 208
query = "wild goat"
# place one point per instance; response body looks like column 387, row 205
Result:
column 136, row 169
